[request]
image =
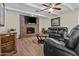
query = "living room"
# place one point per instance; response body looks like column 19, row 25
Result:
column 16, row 15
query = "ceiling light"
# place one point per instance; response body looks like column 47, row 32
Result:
column 32, row 15
column 50, row 9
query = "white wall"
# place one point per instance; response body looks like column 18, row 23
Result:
column 69, row 20
column 44, row 23
column 12, row 21
column 2, row 29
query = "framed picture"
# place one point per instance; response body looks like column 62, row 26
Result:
column 55, row 21
column 2, row 14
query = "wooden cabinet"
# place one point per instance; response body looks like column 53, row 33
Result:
column 8, row 44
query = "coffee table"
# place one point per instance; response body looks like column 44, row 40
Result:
column 41, row 37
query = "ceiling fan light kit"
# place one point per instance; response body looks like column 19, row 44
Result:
column 50, row 10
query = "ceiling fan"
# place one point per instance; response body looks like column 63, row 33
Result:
column 50, row 7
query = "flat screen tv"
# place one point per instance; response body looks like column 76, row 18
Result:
column 29, row 19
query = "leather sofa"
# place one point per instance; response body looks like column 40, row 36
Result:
column 57, row 32
column 71, row 47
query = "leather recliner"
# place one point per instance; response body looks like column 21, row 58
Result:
column 71, row 47
column 51, row 48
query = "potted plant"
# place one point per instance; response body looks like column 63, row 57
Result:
column 11, row 30
column 43, row 31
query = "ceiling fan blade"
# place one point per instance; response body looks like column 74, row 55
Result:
column 56, row 8
column 56, row 4
column 45, row 5
column 41, row 10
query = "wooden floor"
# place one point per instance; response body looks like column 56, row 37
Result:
column 29, row 47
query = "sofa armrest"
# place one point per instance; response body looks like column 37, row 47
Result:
column 56, row 49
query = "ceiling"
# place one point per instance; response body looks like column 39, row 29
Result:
column 30, row 9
